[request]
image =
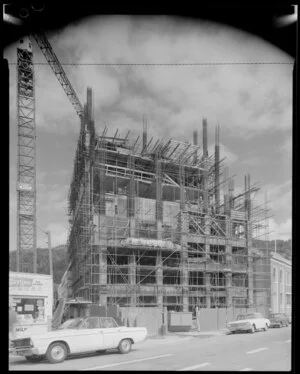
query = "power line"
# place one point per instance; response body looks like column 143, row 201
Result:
column 165, row 64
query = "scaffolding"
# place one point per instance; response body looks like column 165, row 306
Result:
column 157, row 223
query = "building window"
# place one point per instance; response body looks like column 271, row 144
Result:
column 280, row 276
column 274, row 274
column 288, row 299
column 29, row 309
column 281, row 299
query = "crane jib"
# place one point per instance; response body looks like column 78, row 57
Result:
column 58, row 70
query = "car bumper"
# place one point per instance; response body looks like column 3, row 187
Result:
column 275, row 324
column 239, row 329
column 24, row 351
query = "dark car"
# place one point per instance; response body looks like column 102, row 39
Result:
column 279, row 320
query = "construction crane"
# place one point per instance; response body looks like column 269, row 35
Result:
column 26, row 167
column 55, row 65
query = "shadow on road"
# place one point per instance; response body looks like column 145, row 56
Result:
column 73, row 357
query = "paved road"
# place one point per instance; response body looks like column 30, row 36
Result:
column 270, row 351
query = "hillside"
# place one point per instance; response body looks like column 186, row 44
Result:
column 59, row 257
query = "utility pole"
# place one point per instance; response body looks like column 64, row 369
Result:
column 48, row 233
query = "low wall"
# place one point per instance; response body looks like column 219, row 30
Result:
column 151, row 318
column 211, row 319
column 216, row 318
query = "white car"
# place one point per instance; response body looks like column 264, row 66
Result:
column 249, row 322
column 78, row 335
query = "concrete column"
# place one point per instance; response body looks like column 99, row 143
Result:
column 207, row 232
column 250, row 264
column 228, row 246
column 159, row 279
column 208, row 292
column 228, row 227
column 228, row 283
column 185, row 280
column 132, row 227
column 131, row 197
column 159, row 230
column 132, row 277
column 159, row 204
column 102, row 229
column 207, row 224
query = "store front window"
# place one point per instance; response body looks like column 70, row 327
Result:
column 29, row 309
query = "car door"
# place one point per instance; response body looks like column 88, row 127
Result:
column 90, row 336
column 111, row 332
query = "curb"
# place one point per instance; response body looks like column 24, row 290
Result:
column 191, row 334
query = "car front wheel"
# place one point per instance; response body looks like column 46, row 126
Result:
column 57, row 352
column 125, row 346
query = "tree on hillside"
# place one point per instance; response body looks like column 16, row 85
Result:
column 59, row 258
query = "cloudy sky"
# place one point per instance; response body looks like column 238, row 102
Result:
column 252, row 103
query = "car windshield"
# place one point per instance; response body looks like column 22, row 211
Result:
column 247, row 316
column 275, row 315
column 71, row 323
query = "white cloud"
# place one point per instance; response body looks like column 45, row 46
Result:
column 245, row 100
column 287, row 152
column 225, row 152
column 279, row 203
column 280, row 230
column 59, row 233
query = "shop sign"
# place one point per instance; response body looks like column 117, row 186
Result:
column 26, row 284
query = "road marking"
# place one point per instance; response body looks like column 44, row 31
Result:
column 257, row 350
column 195, row 366
column 288, row 341
column 246, row 369
column 129, row 362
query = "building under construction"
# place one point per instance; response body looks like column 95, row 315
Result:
column 158, row 223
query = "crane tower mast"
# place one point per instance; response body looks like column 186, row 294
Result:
column 26, row 178
column 26, row 169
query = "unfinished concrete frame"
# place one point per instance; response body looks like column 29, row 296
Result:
column 149, row 227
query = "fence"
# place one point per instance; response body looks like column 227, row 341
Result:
column 211, row 319
column 216, row 318
column 151, row 318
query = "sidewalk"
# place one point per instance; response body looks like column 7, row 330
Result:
column 176, row 336
column 203, row 333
